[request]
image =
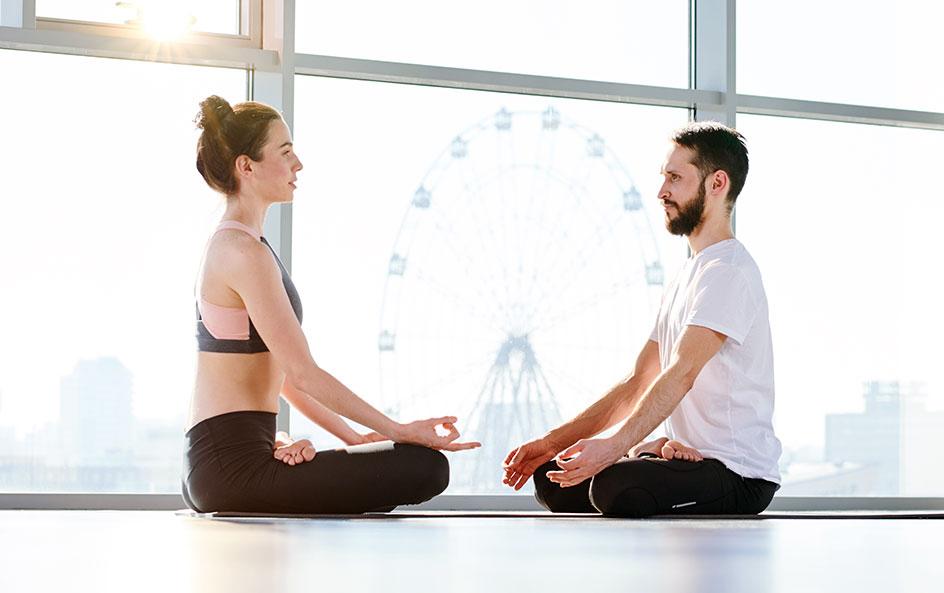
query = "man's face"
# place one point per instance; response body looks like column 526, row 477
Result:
column 682, row 193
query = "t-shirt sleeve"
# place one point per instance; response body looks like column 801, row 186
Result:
column 724, row 302
column 654, row 336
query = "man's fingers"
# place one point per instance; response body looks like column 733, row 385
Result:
column 511, row 455
column 571, row 464
column 571, row 451
column 566, row 479
column 521, row 481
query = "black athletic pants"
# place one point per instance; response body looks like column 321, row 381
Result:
column 642, row 487
column 229, row 466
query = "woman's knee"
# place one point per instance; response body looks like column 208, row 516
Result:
column 428, row 469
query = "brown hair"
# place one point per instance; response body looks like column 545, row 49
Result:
column 717, row 148
column 227, row 133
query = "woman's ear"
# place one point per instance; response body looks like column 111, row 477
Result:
column 243, row 166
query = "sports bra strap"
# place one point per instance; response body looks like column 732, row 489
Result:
column 236, row 225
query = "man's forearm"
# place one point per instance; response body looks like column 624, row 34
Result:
column 604, row 413
column 655, row 405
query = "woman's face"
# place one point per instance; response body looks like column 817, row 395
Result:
column 275, row 175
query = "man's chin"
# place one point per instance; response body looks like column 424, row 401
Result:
column 674, row 231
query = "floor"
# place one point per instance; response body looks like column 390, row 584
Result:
column 105, row 551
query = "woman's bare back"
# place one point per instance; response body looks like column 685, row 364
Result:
column 228, row 382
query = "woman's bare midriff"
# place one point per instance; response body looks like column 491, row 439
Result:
column 234, row 382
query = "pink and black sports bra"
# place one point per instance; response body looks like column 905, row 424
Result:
column 229, row 329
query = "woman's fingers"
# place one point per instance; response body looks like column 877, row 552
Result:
column 462, row 446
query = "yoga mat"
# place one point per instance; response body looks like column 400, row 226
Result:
column 544, row 515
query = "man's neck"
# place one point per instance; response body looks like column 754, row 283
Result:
column 706, row 235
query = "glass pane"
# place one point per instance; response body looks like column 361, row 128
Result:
column 106, row 218
column 494, row 256
column 885, row 54
column 844, row 222
column 640, row 42
column 164, row 18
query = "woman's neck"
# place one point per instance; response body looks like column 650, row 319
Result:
column 246, row 211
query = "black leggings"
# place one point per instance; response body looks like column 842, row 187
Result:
column 229, row 466
column 642, row 487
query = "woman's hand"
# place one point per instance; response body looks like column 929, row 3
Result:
column 372, row 437
column 423, row 432
column 290, row 451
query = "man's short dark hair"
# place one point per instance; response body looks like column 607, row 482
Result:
column 717, row 148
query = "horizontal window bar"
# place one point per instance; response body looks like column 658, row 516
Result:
column 136, row 32
column 84, row 44
column 858, row 114
column 504, row 82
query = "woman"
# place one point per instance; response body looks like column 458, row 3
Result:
column 252, row 350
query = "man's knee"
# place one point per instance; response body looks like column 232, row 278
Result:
column 617, row 495
column 626, row 490
column 554, row 498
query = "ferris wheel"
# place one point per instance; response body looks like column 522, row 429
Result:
column 524, row 275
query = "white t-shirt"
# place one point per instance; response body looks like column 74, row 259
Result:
column 728, row 413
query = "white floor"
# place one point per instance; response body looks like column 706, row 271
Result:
column 160, row 551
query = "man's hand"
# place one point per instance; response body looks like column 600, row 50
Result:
column 585, row 459
column 521, row 462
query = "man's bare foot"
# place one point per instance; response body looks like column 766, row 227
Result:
column 654, row 447
column 676, row 450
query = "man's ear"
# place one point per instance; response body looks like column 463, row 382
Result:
column 719, row 182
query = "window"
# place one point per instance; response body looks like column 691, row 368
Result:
column 105, row 220
column 849, row 51
column 161, row 17
column 494, row 256
column 639, row 42
column 843, row 221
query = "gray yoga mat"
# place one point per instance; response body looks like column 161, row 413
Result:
column 544, row 515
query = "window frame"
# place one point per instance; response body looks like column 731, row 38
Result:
column 265, row 48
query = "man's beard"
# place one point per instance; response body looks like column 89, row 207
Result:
column 689, row 216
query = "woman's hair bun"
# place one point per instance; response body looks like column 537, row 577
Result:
column 214, row 111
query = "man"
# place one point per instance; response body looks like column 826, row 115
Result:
column 707, row 368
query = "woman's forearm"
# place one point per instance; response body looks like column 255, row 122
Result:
column 330, row 392
column 318, row 413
